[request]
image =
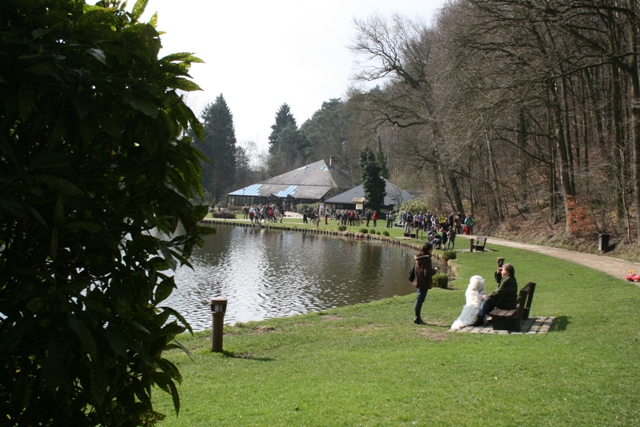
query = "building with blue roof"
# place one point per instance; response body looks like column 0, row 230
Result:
column 310, row 183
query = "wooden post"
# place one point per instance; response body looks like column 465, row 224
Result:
column 218, row 308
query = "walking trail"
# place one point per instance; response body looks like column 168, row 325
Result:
column 612, row 266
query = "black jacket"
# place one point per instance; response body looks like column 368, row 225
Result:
column 506, row 292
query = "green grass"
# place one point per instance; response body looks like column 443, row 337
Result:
column 369, row 365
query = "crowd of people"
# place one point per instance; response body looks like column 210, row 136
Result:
column 264, row 212
column 441, row 230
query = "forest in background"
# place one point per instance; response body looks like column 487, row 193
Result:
column 512, row 110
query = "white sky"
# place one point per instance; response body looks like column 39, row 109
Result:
column 260, row 54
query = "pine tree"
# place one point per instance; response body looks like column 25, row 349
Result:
column 219, row 147
column 372, row 182
column 381, row 158
column 284, row 119
column 288, row 148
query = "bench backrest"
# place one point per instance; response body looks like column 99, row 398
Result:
column 530, row 287
column 525, row 297
column 522, row 301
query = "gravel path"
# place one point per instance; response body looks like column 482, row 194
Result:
column 612, row 266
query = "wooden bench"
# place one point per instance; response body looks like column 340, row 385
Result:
column 411, row 232
column 479, row 243
column 510, row 320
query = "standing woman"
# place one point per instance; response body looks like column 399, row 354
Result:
column 423, row 280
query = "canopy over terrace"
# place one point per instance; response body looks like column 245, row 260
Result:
column 310, row 183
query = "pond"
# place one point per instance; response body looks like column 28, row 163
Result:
column 266, row 274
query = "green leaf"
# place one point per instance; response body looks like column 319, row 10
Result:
column 168, row 257
column 144, row 106
column 154, row 20
column 83, row 333
column 35, row 304
column 138, row 9
column 76, row 226
column 42, row 68
column 99, row 384
column 98, row 54
column 36, row 34
column 164, row 289
column 7, row 150
column 182, row 56
column 51, row 161
column 116, row 343
column 175, row 397
column 171, row 369
column 61, row 185
column 178, row 316
column 12, row 208
column 36, row 215
column 184, row 84
column 26, row 102
column 104, row 119
column 81, row 104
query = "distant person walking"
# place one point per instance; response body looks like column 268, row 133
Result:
column 390, row 219
column 451, row 235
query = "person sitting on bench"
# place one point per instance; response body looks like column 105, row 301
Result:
column 505, row 296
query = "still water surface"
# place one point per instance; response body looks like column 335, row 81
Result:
column 266, row 274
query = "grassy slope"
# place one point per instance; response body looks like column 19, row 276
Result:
column 370, row 365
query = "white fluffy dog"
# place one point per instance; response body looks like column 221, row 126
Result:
column 474, row 294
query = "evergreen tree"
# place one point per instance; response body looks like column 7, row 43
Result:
column 328, row 133
column 244, row 174
column 284, row 118
column 219, row 147
column 372, row 182
column 381, row 158
column 288, row 148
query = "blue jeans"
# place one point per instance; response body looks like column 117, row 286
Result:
column 422, row 294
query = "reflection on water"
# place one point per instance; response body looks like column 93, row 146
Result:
column 267, row 274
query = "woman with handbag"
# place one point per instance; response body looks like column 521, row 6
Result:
column 423, row 281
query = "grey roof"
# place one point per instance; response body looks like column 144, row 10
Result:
column 312, row 181
column 395, row 195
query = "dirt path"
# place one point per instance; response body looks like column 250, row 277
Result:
column 612, row 266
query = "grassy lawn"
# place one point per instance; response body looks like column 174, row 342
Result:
column 369, row 365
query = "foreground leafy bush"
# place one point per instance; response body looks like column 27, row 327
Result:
column 96, row 176
column 364, row 231
column 342, row 228
column 385, row 233
column 441, row 280
column 372, row 231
